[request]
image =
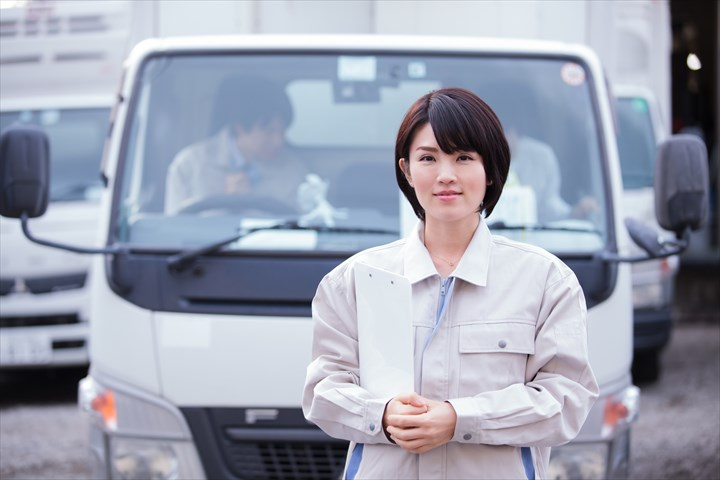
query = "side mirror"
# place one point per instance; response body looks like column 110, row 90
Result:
column 24, row 172
column 681, row 184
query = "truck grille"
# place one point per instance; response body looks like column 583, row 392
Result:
column 264, row 443
column 43, row 284
column 40, row 320
column 296, row 461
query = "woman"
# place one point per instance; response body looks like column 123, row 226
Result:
column 500, row 339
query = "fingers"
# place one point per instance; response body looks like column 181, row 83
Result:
column 415, row 440
column 406, row 404
column 419, row 433
column 412, row 399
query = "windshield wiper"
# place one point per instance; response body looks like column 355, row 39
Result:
column 181, row 261
column 500, row 225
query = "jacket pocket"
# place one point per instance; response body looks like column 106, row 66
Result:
column 497, row 337
column 493, row 355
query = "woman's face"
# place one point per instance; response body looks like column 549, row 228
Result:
column 450, row 187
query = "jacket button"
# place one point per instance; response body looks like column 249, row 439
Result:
column 502, row 344
column 467, row 436
column 372, row 427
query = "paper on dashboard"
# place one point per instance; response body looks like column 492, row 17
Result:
column 385, row 335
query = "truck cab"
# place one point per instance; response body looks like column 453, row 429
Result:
column 202, row 326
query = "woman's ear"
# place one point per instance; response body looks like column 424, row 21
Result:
column 405, row 167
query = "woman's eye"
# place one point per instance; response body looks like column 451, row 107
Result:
column 426, row 158
column 465, row 158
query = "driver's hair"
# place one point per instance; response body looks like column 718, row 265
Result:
column 249, row 101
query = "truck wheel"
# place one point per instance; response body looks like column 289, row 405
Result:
column 646, row 366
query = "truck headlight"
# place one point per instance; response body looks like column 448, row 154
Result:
column 132, row 459
column 649, row 295
column 581, row 461
column 136, row 436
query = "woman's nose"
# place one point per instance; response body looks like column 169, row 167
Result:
column 446, row 172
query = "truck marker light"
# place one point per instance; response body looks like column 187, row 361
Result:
column 665, row 269
column 104, row 404
column 620, row 409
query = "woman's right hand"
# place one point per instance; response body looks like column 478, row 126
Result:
column 418, row 424
column 403, row 404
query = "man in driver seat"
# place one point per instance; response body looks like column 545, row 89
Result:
column 246, row 161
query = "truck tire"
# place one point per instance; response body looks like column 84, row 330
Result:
column 646, row 366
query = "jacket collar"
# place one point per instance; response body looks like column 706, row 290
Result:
column 473, row 266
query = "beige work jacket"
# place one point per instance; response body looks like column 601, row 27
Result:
column 510, row 355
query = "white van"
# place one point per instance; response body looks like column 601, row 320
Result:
column 640, row 132
column 202, row 326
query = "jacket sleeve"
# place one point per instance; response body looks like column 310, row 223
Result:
column 333, row 398
column 560, row 388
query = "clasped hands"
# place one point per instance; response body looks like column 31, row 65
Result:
column 419, row 424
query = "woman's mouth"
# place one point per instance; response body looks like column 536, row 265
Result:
column 447, row 194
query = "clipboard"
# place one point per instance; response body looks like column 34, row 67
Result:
column 385, row 334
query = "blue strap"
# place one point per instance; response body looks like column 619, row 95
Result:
column 528, row 463
column 354, row 463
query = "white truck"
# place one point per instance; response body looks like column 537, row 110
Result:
column 43, row 291
column 202, row 326
column 60, row 67
column 641, row 130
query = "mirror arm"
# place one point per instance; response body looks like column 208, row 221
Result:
column 670, row 248
column 62, row 246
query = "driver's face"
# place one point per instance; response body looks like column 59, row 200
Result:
column 262, row 142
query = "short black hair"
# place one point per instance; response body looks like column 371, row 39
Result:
column 249, row 101
column 460, row 121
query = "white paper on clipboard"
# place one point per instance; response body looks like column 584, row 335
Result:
column 385, row 336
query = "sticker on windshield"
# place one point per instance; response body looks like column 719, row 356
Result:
column 417, row 70
column 572, row 74
column 357, row 69
column 49, row 117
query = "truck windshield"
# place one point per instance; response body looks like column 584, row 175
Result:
column 220, row 143
column 76, row 145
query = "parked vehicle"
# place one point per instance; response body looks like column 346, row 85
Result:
column 640, row 132
column 201, row 325
column 60, row 69
column 44, row 291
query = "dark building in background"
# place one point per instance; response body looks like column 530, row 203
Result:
column 695, row 105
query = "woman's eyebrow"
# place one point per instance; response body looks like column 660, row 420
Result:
column 427, row 148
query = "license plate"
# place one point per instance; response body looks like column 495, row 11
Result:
column 25, row 351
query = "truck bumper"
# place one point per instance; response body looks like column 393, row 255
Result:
column 44, row 346
column 44, row 330
column 651, row 328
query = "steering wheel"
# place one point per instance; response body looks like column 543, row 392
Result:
column 238, row 203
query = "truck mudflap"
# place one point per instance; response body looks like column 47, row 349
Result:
column 263, row 443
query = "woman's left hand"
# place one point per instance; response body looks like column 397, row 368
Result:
column 421, row 433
